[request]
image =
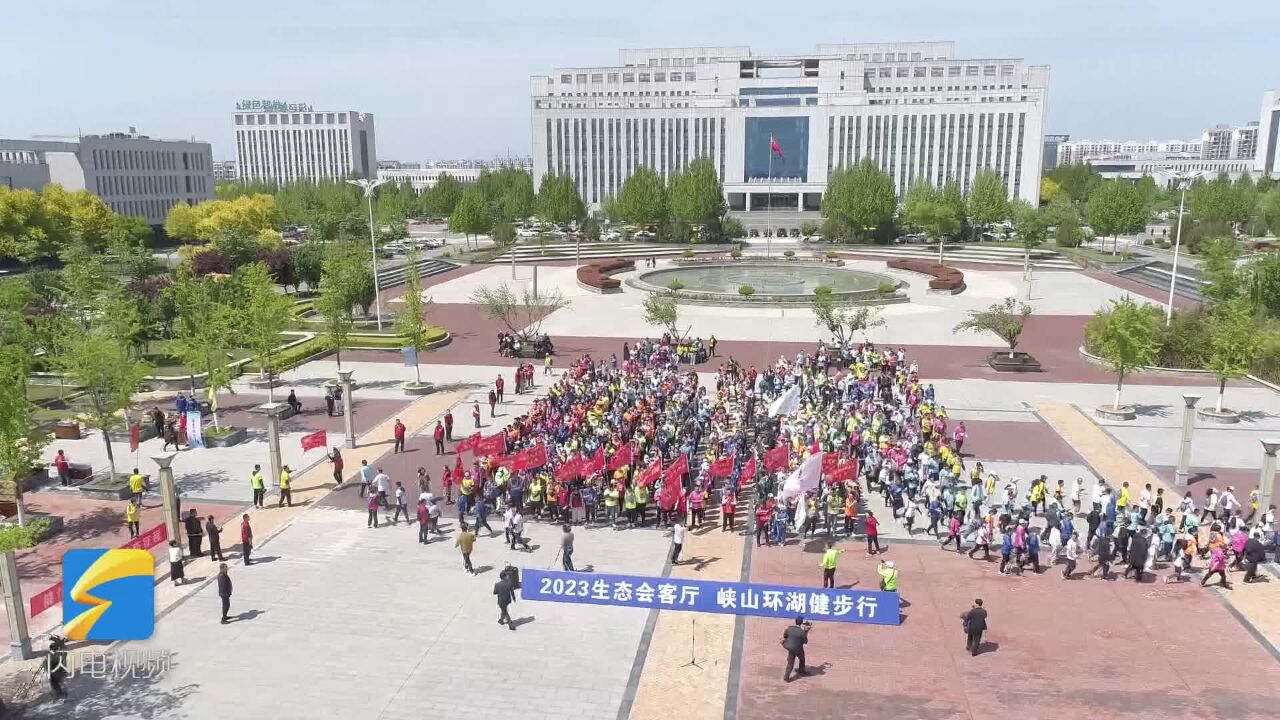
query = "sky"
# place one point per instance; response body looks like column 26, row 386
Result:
column 451, row 80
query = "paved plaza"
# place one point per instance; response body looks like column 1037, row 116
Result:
column 341, row 621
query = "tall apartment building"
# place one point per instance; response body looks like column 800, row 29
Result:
column 281, row 142
column 134, row 174
column 1078, row 151
column 915, row 109
column 1267, row 160
column 225, row 170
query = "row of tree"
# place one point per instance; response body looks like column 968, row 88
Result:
column 38, row 225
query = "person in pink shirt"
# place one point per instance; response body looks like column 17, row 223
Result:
column 1238, row 539
column 697, row 499
column 1217, row 566
column 958, row 436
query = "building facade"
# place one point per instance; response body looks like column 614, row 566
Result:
column 1164, row 168
column 282, row 142
column 423, row 178
column 225, row 171
column 915, row 109
column 135, row 175
column 1267, row 160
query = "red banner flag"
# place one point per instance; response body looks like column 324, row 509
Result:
column 677, row 470
column 569, row 469
column 467, row 443
column 593, row 465
column 651, row 473
column 722, row 467
column 506, row 461
column 845, row 472
column 135, row 437
column 749, row 470
column 777, row 458
column 774, row 147
column 622, row 457
column 672, row 482
column 829, row 462
column 492, row 445
column 317, row 439
column 530, row 458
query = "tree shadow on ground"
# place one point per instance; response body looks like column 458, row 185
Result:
column 90, row 698
column 1157, row 411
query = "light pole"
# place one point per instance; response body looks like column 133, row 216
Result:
column 369, row 186
column 1184, row 180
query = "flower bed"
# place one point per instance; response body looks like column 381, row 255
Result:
column 595, row 276
column 944, row 277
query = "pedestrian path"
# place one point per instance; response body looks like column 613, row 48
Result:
column 594, row 251
column 986, row 254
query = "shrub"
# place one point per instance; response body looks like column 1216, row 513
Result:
column 746, row 290
column 833, row 255
column 675, row 286
column 822, row 290
column 688, row 253
column 789, row 254
column 808, row 228
column 944, row 277
column 887, row 288
column 736, row 254
column 733, row 228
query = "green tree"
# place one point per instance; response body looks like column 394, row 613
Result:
column 662, row 311
column 109, row 377
column 1006, row 320
column 1222, row 200
column 1078, row 180
column 338, row 294
column 988, row 200
column 518, row 199
column 1234, row 342
column 21, row 440
column 1264, row 283
column 591, row 229
column 440, row 199
column 924, row 208
column 843, row 322
column 503, row 234
column 470, row 216
column 697, row 197
column 1049, row 190
column 204, row 329
column 412, row 318
column 308, row 263
column 558, row 200
column 1126, row 337
column 860, row 199
column 1218, row 269
column 1269, row 209
column 1032, row 227
column 26, row 233
column 1116, row 208
column 1062, row 215
column 264, row 313
column 643, row 198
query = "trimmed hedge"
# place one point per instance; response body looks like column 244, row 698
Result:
column 944, row 277
column 596, row 275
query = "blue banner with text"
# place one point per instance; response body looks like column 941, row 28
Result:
column 711, row 596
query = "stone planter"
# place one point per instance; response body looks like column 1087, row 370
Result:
column 1110, row 412
column 56, row 523
column 66, row 430
column 146, row 431
column 1226, row 416
column 261, row 383
column 425, row 388
column 105, row 487
column 1020, row 362
column 285, row 412
column 235, row 437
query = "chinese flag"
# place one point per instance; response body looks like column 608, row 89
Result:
column 722, row 467
column 492, row 445
column 594, row 465
column 749, row 470
column 774, row 147
column 777, row 458
column 622, row 457
column 467, row 443
column 569, row 469
column 317, row 439
column 651, row 473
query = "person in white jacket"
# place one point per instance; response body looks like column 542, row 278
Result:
column 1055, row 544
column 1073, row 554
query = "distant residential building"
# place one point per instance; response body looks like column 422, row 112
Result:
column 135, row 175
column 1164, row 167
column 1077, row 151
column 423, row 178
column 1267, row 160
column 1051, row 143
column 225, row 170
column 281, row 142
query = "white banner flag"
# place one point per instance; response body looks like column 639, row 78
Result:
column 787, row 403
column 195, row 433
column 805, row 477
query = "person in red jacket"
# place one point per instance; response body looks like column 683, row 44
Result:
column 873, row 534
column 498, row 385
column 728, row 508
column 438, row 433
column 448, row 425
column 246, row 539
column 398, row 432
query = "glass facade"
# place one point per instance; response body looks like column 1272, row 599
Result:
column 792, row 136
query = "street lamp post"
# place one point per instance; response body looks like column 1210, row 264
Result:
column 1184, row 180
column 369, row 186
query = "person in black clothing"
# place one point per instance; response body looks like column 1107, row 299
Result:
column 1139, row 546
column 192, row 523
column 1104, row 557
column 975, row 623
column 215, row 539
column 224, row 591
column 794, row 639
column 1094, row 518
column 506, row 595
column 1255, row 553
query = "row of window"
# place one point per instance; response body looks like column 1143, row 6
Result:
column 105, row 159
column 285, row 155
column 153, row 211
column 108, row 186
column 290, row 118
column 598, row 78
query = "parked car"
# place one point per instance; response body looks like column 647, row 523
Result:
column 642, row 235
column 753, row 233
column 795, row 232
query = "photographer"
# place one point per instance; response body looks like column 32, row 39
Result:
column 794, row 639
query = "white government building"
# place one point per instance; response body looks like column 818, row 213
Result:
column 281, row 142
column 915, row 109
column 134, row 174
column 1268, row 158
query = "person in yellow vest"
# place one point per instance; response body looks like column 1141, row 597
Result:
column 286, row 490
column 136, row 485
column 132, row 511
column 642, row 503
column 828, row 563
column 888, row 576
column 259, row 487
column 611, row 505
column 535, row 496
column 553, row 498
column 629, row 504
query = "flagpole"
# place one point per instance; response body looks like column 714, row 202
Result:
column 768, row 235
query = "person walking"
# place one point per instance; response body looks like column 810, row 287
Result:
column 728, row 509
column 981, row 542
column 246, row 539
column 1255, row 553
column 475, row 413
column 677, row 541
column 397, row 434
column 793, row 641
column 1104, row 549
column 214, row 533
column 401, row 508
column 382, row 483
column 1139, row 547
column 371, row 521
column 438, row 435
column 137, row 484
column 132, row 515
column 335, row 458
column 517, row 531
column 828, row 563
column 424, row 521
column 953, row 535
column 176, row 573
column 224, row 592
column 286, row 489
column 1217, row 566
column 194, row 533
column 873, row 535
column 1072, row 549
column 888, row 576
column 975, row 623
column 448, row 425
column 259, row 487
column 566, row 547
column 505, row 593
column 465, row 541
column 366, row 477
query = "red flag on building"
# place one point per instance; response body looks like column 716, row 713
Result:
column 622, row 457
column 774, row 147
column 651, row 473
column 569, row 469
column 467, row 443
column 317, row 439
column 722, row 467
column 777, row 458
column 493, row 445
column 530, row 458
column 594, row 464
column 749, row 470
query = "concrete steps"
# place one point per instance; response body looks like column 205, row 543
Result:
column 426, row 268
column 1002, row 256
column 1158, row 273
column 569, row 251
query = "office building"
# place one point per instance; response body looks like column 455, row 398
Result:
column 135, row 175
column 1049, row 160
column 915, row 109
column 225, row 171
column 1223, row 142
column 1164, row 168
column 423, row 178
column 1078, row 151
column 281, row 142
column 1267, row 160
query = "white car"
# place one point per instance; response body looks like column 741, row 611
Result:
column 527, row 233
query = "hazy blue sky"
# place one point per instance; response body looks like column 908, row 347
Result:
column 448, row 80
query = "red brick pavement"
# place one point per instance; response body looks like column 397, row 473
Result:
column 1201, row 479
column 369, row 412
column 1017, row 441
column 1086, row 648
column 1137, row 288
